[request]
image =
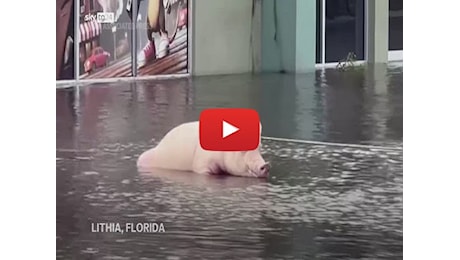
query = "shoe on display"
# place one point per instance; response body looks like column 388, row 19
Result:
column 163, row 46
column 147, row 54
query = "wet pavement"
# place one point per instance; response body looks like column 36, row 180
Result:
column 320, row 202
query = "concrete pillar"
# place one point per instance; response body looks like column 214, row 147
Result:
column 305, row 36
column 378, row 11
column 221, row 37
column 257, row 36
column 278, row 35
column 288, row 35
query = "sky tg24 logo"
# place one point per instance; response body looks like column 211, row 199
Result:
column 101, row 17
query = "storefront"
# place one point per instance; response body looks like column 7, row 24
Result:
column 267, row 36
column 113, row 43
column 342, row 28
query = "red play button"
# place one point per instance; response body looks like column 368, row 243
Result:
column 229, row 129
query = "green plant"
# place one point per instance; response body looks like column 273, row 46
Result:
column 348, row 62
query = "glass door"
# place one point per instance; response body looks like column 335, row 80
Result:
column 395, row 30
column 340, row 30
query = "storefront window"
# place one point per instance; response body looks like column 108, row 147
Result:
column 168, row 45
column 162, row 35
column 344, row 25
column 395, row 37
column 65, row 40
column 344, row 29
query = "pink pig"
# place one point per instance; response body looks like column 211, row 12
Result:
column 180, row 149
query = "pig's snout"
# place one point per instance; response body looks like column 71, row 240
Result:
column 263, row 170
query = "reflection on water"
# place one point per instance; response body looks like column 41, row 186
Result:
column 320, row 202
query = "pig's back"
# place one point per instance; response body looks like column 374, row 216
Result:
column 175, row 151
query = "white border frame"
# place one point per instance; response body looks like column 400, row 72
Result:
column 323, row 63
column 78, row 81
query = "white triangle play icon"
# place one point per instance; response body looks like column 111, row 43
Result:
column 228, row 129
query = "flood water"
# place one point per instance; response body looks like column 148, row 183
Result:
column 320, row 202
